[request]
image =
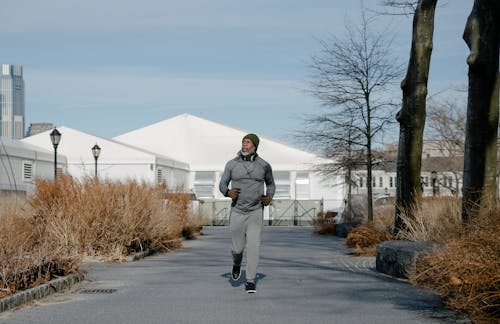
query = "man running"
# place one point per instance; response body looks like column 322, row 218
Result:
column 252, row 188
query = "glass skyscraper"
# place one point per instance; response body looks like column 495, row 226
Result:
column 12, row 102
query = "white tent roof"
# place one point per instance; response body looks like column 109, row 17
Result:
column 20, row 149
column 208, row 145
column 76, row 146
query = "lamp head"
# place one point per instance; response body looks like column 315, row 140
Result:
column 55, row 137
column 96, row 150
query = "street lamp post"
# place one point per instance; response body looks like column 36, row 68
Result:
column 295, row 205
column 55, row 138
column 96, row 150
column 434, row 180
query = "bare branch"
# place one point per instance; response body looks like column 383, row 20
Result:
column 351, row 77
column 401, row 7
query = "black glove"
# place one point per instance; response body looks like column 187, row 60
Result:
column 233, row 193
column 266, row 200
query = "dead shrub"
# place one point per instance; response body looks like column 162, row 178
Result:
column 364, row 239
column 466, row 273
column 188, row 223
column 46, row 235
column 28, row 257
column 107, row 218
column 324, row 223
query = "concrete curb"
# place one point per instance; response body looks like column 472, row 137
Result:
column 143, row 254
column 140, row 255
column 130, row 258
column 53, row 286
column 39, row 292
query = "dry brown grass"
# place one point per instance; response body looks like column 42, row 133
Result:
column 66, row 220
column 364, row 239
column 466, row 273
column 437, row 220
column 109, row 218
column 188, row 224
column 28, row 256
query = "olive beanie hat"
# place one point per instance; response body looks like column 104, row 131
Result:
column 254, row 138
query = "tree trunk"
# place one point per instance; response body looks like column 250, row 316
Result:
column 369, row 185
column 411, row 117
column 369, row 157
column 349, row 194
column 482, row 35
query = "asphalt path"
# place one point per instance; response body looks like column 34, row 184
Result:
column 302, row 278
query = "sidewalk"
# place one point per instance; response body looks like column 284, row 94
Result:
column 302, row 278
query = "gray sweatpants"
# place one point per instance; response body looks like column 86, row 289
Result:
column 245, row 229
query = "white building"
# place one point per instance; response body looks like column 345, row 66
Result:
column 206, row 146
column 441, row 172
column 22, row 163
column 12, row 102
column 116, row 162
column 189, row 153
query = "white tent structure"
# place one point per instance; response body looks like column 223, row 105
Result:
column 206, row 146
column 116, row 162
column 22, row 163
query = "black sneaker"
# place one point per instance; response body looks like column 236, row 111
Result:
column 250, row 288
column 236, row 273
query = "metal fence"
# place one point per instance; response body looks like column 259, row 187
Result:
column 281, row 212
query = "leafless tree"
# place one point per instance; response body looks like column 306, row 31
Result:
column 337, row 137
column 412, row 115
column 446, row 130
column 446, row 124
column 351, row 76
column 482, row 35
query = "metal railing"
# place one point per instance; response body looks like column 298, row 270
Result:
column 281, row 212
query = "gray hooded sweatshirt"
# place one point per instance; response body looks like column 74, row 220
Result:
column 249, row 174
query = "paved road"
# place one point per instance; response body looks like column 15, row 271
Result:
column 302, row 278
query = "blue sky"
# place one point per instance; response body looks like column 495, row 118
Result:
column 111, row 66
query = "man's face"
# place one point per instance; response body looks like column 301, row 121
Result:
column 247, row 145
